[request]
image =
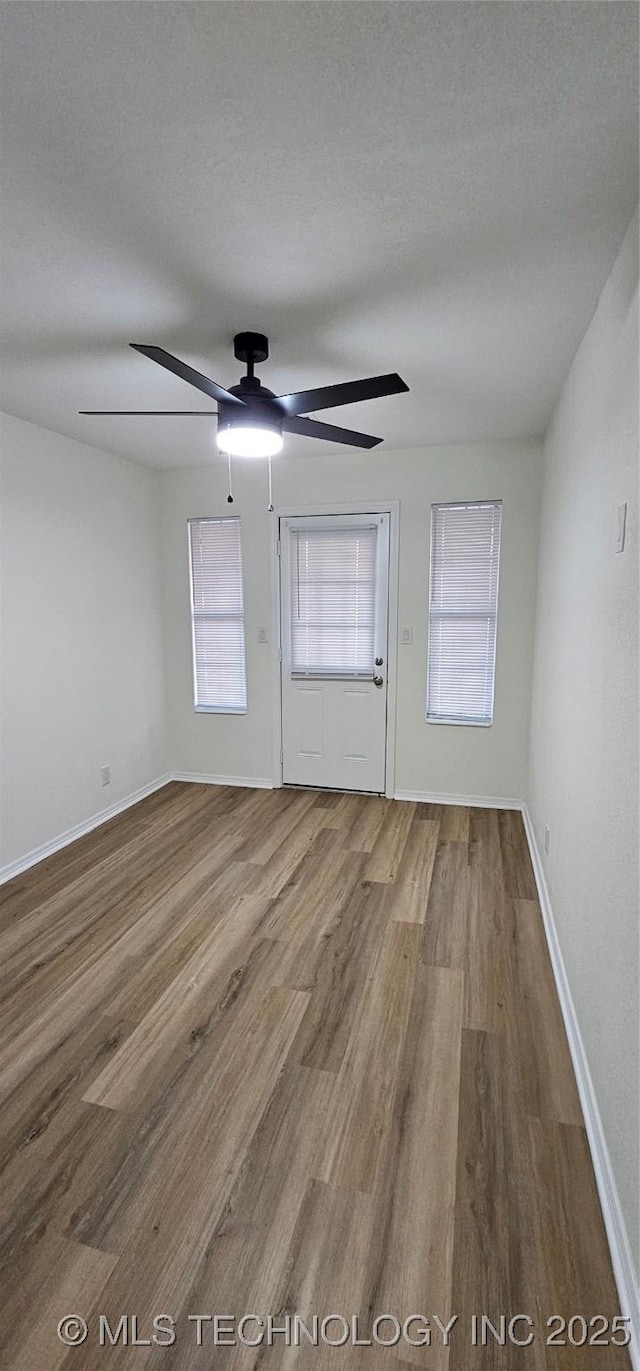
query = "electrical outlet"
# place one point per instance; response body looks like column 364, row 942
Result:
column 546, row 837
column 406, row 635
column 105, row 775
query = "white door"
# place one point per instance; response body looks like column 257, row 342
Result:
column 334, row 573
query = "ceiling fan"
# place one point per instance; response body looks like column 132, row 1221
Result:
column 251, row 419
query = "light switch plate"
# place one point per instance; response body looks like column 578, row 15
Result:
column 263, row 635
column 621, row 527
column 406, row 635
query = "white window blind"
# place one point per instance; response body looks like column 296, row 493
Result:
column 219, row 671
column 333, row 583
column 465, row 555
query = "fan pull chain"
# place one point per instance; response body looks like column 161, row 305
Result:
column 270, row 505
column 229, row 496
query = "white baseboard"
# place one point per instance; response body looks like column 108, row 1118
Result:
column 622, row 1260
column 474, row 801
column 201, row 778
column 38, row 854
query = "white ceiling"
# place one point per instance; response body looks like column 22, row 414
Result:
column 434, row 188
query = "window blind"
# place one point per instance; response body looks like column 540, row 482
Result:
column 333, row 582
column 465, row 555
column 219, row 669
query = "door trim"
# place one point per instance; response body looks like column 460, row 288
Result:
column 392, row 508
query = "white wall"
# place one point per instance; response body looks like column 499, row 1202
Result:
column 82, row 666
column 84, row 677
column 584, row 740
column 434, row 758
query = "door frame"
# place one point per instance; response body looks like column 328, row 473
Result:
column 392, row 508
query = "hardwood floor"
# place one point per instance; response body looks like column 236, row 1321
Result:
column 290, row 1052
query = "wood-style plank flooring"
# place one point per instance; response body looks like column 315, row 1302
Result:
column 290, row 1052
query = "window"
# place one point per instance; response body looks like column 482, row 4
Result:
column 217, row 615
column 333, row 593
column 465, row 553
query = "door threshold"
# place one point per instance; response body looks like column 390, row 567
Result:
column 331, row 790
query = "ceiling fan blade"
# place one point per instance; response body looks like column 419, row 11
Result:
column 346, row 393
column 212, row 413
column 187, row 373
column 310, row 428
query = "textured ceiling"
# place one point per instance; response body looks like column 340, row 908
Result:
column 434, row 188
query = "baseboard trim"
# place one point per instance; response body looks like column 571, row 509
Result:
column 201, row 778
column 620, row 1248
column 474, row 801
column 38, row 854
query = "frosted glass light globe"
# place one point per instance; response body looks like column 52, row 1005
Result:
column 249, row 440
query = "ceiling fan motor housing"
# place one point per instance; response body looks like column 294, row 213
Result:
column 262, row 408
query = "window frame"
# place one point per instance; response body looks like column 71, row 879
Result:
column 203, row 614
column 453, row 720
column 345, row 524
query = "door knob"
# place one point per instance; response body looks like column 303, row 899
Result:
column 378, row 681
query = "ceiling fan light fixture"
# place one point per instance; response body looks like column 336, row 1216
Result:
column 250, row 439
column 251, row 418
